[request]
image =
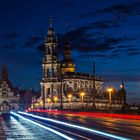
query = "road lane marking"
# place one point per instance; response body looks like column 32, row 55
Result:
column 42, row 126
column 97, row 132
column 77, row 135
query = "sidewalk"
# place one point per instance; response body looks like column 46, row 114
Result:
column 2, row 135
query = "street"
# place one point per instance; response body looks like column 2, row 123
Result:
column 50, row 126
column 18, row 129
column 120, row 128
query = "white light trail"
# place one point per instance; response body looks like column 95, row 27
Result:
column 42, row 126
column 97, row 132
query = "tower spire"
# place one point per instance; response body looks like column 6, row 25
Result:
column 67, row 50
column 51, row 21
column 4, row 73
column 51, row 38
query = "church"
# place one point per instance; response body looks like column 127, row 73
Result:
column 9, row 97
column 61, row 85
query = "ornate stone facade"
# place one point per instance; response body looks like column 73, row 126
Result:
column 60, row 78
column 9, row 97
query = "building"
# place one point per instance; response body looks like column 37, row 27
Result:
column 9, row 96
column 28, row 97
column 61, row 85
column 117, row 99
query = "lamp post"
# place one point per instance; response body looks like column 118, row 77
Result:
column 70, row 98
column 109, row 90
column 41, row 104
column 61, row 98
column 82, row 94
column 49, row 101
column 36, row 105
column 55, row 99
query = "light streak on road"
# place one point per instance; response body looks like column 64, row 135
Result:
column 97, row 132
column 42, row 126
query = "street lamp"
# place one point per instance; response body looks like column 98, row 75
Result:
column 41, row 104
column 49, row 101
column 109, row 90
column 70, row 98
column 55, row 99
column 82, row 94
column 36, row 105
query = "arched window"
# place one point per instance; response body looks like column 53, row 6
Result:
column 48, row 73
column 49, row 50
column 75, row 86
column 4, row 94
column 53, row 74
column 48, row 91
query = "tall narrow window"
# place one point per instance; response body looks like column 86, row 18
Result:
column 53, row 74
column 48, row 73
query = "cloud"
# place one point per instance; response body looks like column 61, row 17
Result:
column 40, row 47
column 10, row 35
column 104, row 24
column 98, row 45
column 133, row 53
column 128, row 78
column 8, row 46
column 131, row 8
column 34, row 40
column 85, row 41
column 119, row 10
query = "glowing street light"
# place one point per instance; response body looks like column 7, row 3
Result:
column 55, row 99
column 41, row 104
column 109, row 90
column 49, row 100
column 70, row 98
column 36, row 105
column 82, row 94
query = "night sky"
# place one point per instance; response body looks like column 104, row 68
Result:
column 104, row 31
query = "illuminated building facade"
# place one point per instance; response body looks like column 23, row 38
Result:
column 9, row 97
column 62, row 86
column 60, row 78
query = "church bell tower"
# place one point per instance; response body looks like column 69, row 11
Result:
column 51, row 66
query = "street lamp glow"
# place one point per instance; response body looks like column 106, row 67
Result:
column 110, row 91
column 69, row 98
column 55, row 99
column 82, row 94
column 49, row 100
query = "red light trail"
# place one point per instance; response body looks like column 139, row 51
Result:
column 89, row 114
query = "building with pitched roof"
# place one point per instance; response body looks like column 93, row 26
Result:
column 9, row 96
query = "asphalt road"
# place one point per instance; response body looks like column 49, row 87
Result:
column 128, row 128
column 125, row 129
column 19, row 129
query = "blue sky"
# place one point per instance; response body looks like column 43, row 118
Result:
column 107, row 32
